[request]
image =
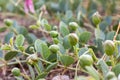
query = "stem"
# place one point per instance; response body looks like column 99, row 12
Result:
column 25, row 76
column 58, row 64
column 93, row 54
column 22, row 68
column 112, row 60
column 75, row 51
column 116, row 32
column 12, row 63
column 37, row 67
column 76, row 69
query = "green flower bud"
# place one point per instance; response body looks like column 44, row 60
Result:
column 54, row 48
column 34, row 27
column 55, row 27
column 8, row 22
column 85, row 60
column 54, row 34
column 110, row 76
column 109, row 47
column 96, row 18
column 32, row 59
column 16, row 71
column 31, row 49
column 55, row 40
column 73, row 38
column 73, row 26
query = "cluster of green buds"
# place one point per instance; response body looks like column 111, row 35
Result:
column 32, row 59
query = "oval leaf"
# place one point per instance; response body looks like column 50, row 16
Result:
column 84, row 37
column 19, row 40
column 42, row 47
column 10, row 55
column 66, row 60
column 63, row 29
column 66, row 43
column 116, row 69
column 51, row 66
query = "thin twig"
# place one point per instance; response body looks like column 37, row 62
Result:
column 117, row 32
column 12, row 63
column 21, row 66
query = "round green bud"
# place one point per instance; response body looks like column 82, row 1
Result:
column 85, row 60
column 110, row 76
column 31, row 49
column 8, row 22
column 109, row 47
column 54, row 48
column 73, row 39
column 54, row 34
column 16, row 71
column 55, row 27
column 32, row 59
column 73, row 26
column 55, row 40
column 96, row 18
column 34, row 27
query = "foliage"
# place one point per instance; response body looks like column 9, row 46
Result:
column 82, row 38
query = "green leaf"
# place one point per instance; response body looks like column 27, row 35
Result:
column 116, row 69
column 3, row 29
column 84, row 37
column 110, row 35
column 62, row 49
column 66, row 60
column 44, row 23
column 52, row 57
column 66, row 42
column 51, row 66
column 42, row 47
column 10, row 55
column 63, row 29
column 99, row 45
column 6, row 47
column 38, row 45
column 103, row 25
column 91, row 70
column 34, row 27
column 30, row 38
column 31, row 72
column 103, row 66
column 82, row 50
column 68, row 14
column 41, row 66
column 19, row 78
column 19, row 40
column 22, row 30
column 99, row 34
column 47, row 27
column 8, row 36
column 42, row 75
